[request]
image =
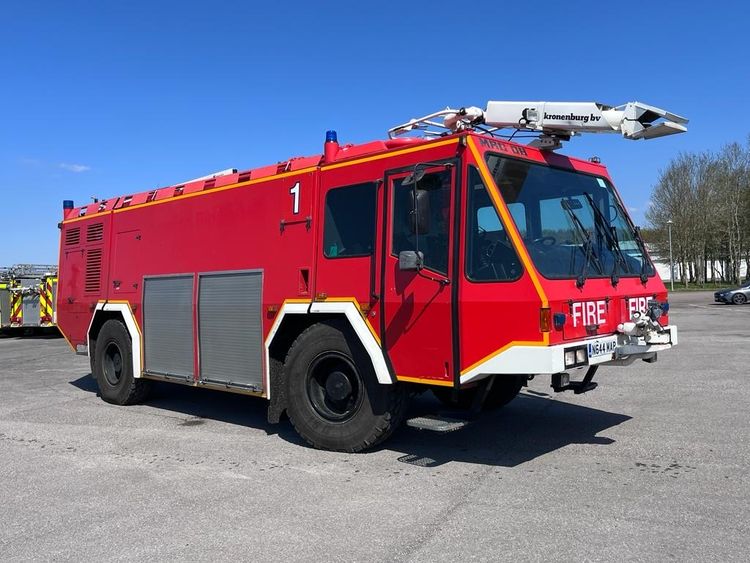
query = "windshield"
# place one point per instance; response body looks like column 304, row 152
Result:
column 572, row 223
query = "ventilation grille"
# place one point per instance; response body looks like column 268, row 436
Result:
column 93, row 270
column 72, row 236
column 95, row 232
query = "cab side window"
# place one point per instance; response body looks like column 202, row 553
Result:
column 490, row 255
column 433, row 243
column 349, row 227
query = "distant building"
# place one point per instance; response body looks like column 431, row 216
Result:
column 662, row 267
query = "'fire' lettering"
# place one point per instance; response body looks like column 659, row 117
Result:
column 589, row 313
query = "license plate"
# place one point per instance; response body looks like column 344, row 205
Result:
column 602, row 347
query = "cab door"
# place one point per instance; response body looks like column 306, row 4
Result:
column 349, row 203
column 418, row 314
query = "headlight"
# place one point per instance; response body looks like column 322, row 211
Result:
column 570, row 357
column 575, row 357
column 580, row 356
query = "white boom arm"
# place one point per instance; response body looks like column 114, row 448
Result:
column 633, row 120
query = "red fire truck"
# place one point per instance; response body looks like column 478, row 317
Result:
column 336, row 285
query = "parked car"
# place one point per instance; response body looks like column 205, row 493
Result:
column 738, row 296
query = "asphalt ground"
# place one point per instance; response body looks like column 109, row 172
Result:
column 651, row 466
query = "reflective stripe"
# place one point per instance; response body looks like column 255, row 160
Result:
column 16, row 309
column 122, row 307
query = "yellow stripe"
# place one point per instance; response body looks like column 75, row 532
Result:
column 424, row 380
column 342, row 300
column 510, row 225
column 196, row 194
column 15, row 306
column 49, row 297
column 65, row 336
column 271, row 178
column 380, row 156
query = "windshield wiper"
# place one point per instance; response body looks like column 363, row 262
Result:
column 610, row 234
column 642, row 246
column 588, row 245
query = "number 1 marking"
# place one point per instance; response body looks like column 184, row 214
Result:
column 295, row 192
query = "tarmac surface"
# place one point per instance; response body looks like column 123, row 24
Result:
column 651, row 466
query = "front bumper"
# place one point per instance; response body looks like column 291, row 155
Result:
column 721, row 298
column 630, row 349
column 540, row 360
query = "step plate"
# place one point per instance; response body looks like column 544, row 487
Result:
column 437, row 423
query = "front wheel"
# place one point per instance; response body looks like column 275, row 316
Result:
column 113, row 366
column 739, row 299
column 334, row 400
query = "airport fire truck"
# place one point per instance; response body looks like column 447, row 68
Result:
column 27, row 296
column 444, row 257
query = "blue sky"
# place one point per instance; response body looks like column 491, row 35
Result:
column 106, row 98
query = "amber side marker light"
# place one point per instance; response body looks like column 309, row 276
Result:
column 545, row 319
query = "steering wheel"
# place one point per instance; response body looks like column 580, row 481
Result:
column 489, row 252
column 545, row 241
column 497, row 267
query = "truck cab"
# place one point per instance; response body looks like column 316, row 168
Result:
column 476, row 257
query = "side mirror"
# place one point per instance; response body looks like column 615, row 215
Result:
column 410, row 260
column 419, row 217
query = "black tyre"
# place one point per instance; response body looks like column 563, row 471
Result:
column 504, row 390
column 113, row 366
column 92, row 358
column 334, row 400
column 739, row 299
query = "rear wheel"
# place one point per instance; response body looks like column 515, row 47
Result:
column 92, row 358
column 739, row 299
column 504, row 390
column 113, row 366
column 334, row 399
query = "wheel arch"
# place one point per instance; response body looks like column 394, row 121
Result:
column 122, row 312
column 292, row 320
